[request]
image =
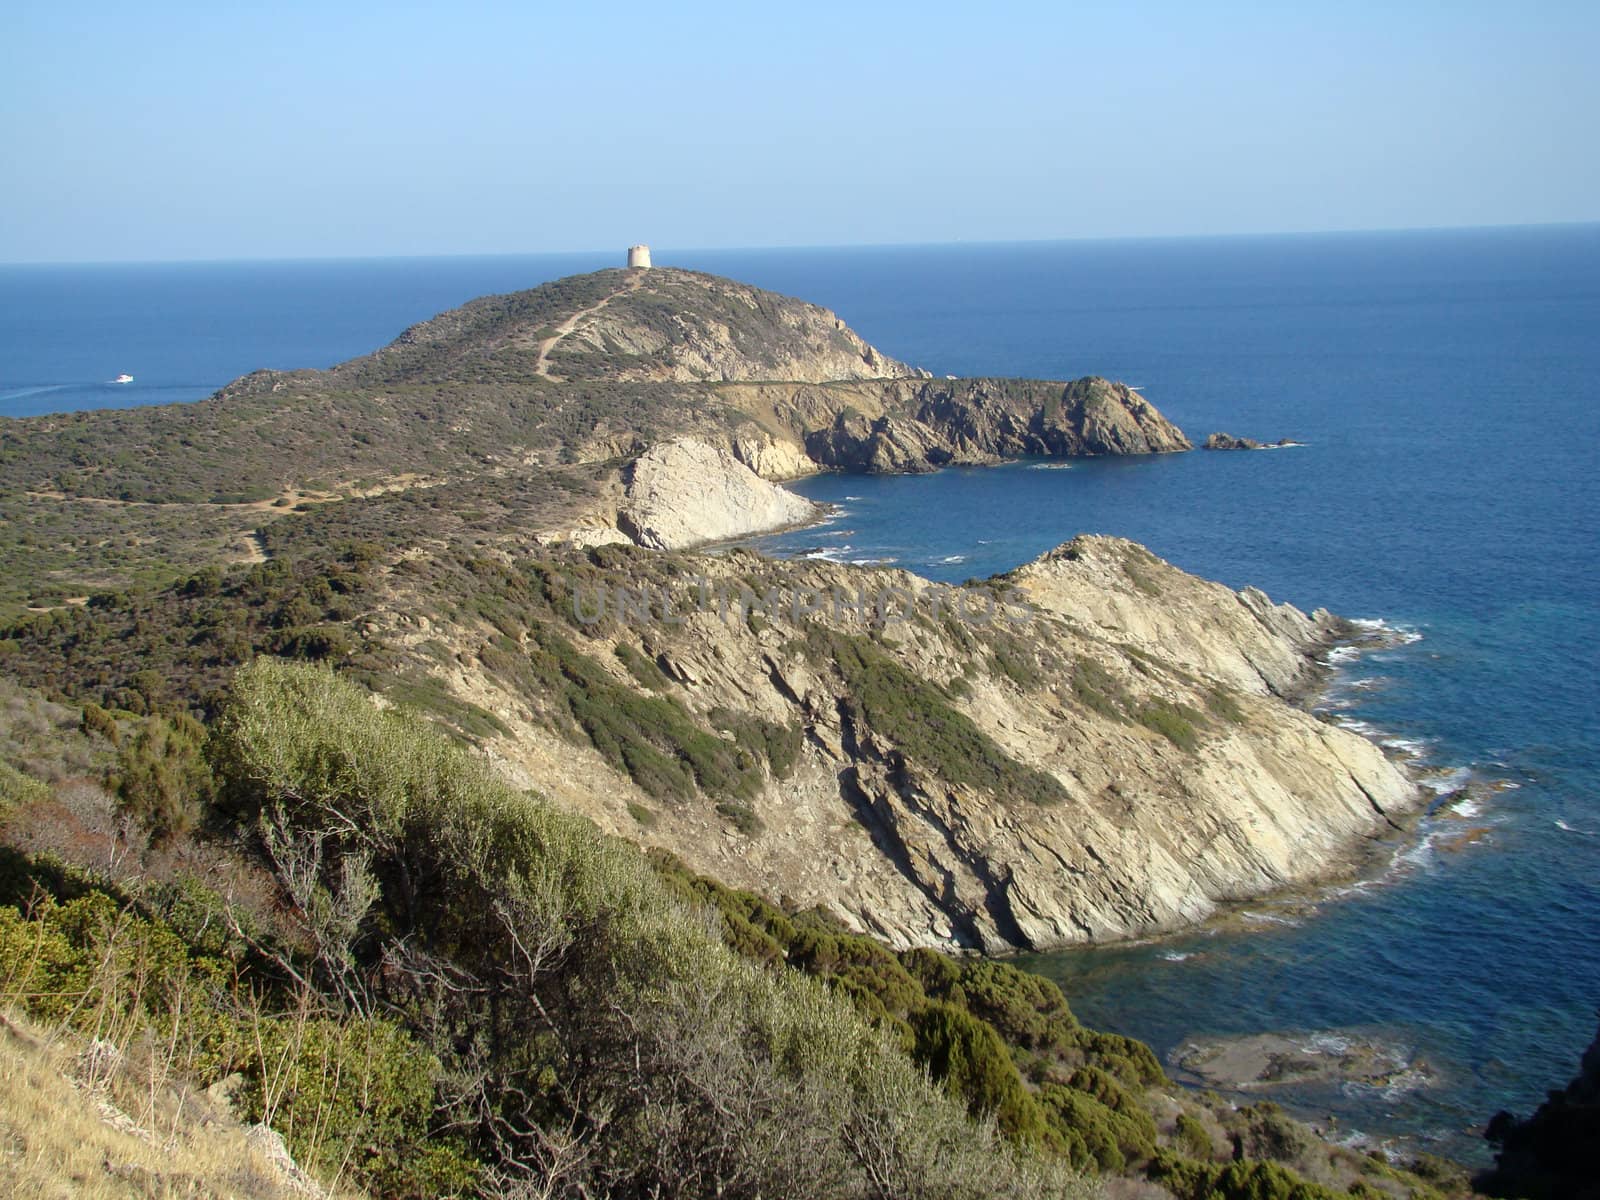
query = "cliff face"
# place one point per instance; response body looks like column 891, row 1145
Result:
column 929, row 425
column 1112, row 763
column 684, row 492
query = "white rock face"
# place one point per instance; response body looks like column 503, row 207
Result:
column 685, row 493
column 597, row 535
column 1240, row 639
column 1148, row 834
column 771, row 457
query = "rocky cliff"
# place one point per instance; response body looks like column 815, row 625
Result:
column 933, row 424
column 683, row 493
column 1091, row 748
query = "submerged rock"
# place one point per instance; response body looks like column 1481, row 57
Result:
column 1226, row 441
column 1330, row 1058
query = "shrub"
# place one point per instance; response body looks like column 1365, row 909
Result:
column 1246, row 1179
column 17, row 789
column 968, row 1057
column 643, row 669
column 1097, row 689
column 915, row 716
column 97, row 721
column 1175, row 722
column 350, row 1096
column 161, row 775
column 594, row 1022
column 1224, row 705
column 1192, row 1137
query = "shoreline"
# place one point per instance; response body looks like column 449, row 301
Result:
column 1354, row 867
column 1366, row 863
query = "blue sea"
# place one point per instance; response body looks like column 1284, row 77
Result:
column 1446, row 387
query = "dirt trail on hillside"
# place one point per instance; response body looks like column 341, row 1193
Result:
column 542, row 367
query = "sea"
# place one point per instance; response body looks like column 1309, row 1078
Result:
column 1444, row 389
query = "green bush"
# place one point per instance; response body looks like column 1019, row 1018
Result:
column 652, row 738
column 563, row 978
column 350, row 1096
column 1246, row 1179
column 643, row 669
column 1175, row 722
column 968, row 1057
column 914, row 715
column 1191, row 1136
column 161, row 775
column 18, row 790
column 1097, row 689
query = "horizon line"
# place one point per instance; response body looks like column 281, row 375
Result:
column 817, row 246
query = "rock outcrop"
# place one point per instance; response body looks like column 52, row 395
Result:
column 1111, row 759
column 1551, row 1153
column 769, row 456
column 1226, row 441
column 929, row 425
column 685, row 326
column 685, row 493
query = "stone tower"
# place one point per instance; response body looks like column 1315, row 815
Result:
column 639, row 256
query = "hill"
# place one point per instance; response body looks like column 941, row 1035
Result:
column 522, row 409
column 379, row 737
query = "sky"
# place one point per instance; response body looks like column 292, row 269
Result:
column 165, row 131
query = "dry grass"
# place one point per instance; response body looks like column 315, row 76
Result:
column 66, row 1130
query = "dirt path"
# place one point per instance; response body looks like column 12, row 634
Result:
column 542, row 367
column 255, row 547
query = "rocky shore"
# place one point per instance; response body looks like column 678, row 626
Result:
column 1150, row 702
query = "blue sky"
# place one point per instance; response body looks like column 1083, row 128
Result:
column 179, row 130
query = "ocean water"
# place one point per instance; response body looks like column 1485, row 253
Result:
column 1445, row 388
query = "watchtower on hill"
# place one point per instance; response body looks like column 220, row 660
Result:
column 639, row 256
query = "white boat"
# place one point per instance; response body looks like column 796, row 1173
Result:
column 123, row 379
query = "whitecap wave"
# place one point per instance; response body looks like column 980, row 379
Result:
column 1392, row 1088
column 1177, row 955
column 1356, row 725
column 1421, row 857
column 1409, row 747
column 1385, row 633
column 1261, row 918
column 1050, row 466
column 1327, row 1043
column 1447, row 780
column 954, row 558
column 1565, row 828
